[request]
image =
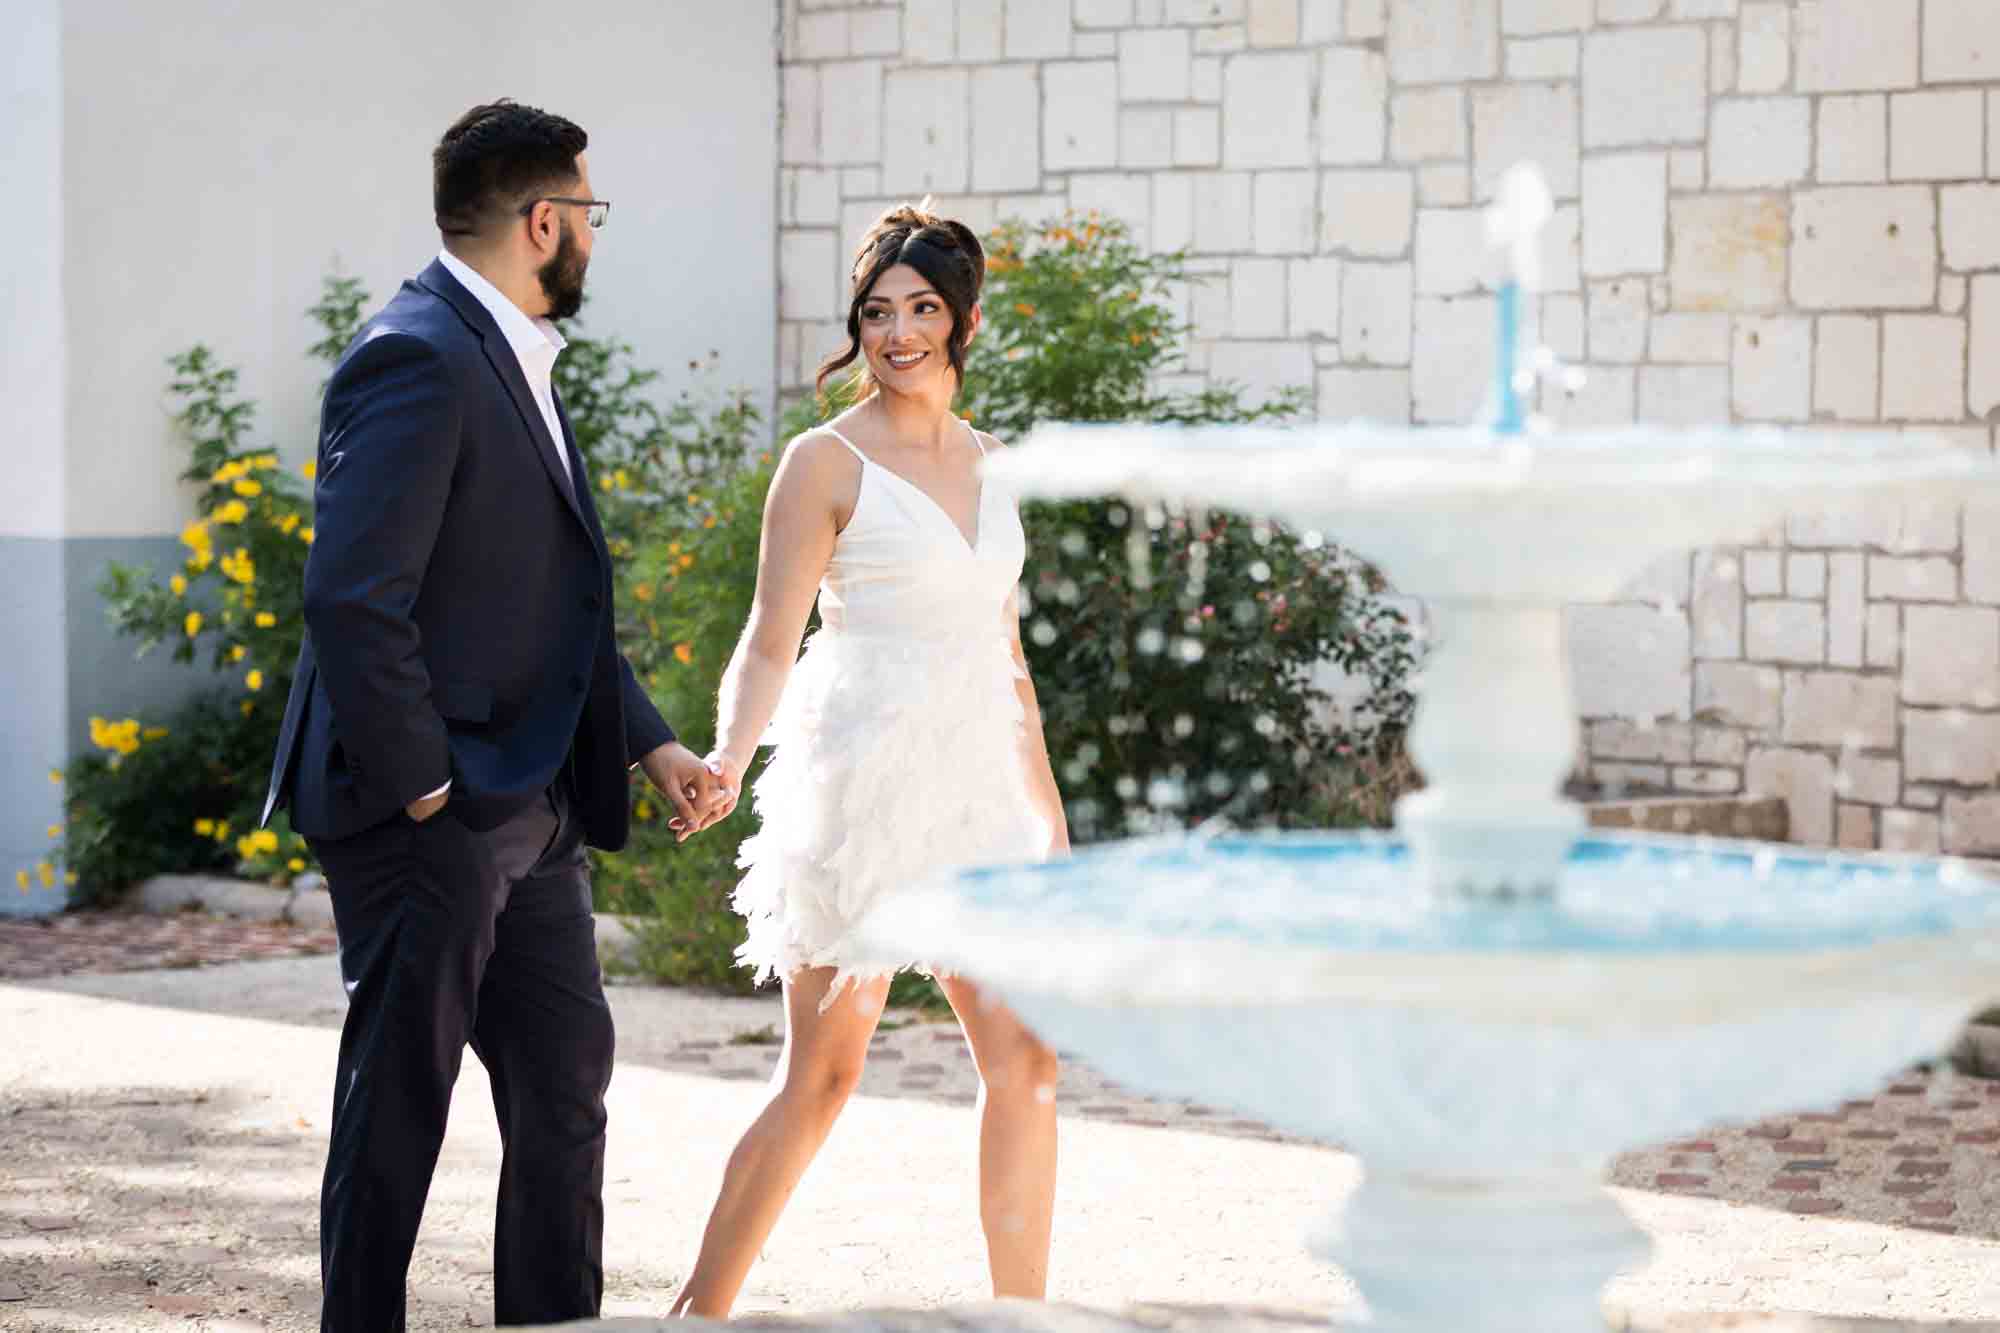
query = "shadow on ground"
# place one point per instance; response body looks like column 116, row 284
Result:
column 153, row 1203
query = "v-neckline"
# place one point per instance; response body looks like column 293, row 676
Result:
column 971, row 543
column 978, row 506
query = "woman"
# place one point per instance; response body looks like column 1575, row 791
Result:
column 908, row 741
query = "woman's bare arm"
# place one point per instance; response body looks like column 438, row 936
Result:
column 798, row 535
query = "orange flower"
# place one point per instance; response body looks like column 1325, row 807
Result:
column 683, row 653
column 1023, row 308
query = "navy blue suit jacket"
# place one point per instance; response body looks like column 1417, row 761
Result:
column 458, row 594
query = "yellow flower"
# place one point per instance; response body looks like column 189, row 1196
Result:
column 192, row 624
column 239, row 566
column 686, row 561
column 21, row 878
column 56, row 776
column 309, row 469
column 643, row 810
column 643, row 591
column 693, row 498
column 623, row 479
column 264, row 462
column 236, row 651
column 683, row 653
column 69, row 877
column 121, row 737
column 287, row 523
column 179, row 585
column 248, row 489
column 604, row 484
column 247, row 707
column 221, row 829
column 306, row 536
column 204, row 828
column 673, row 548
column 47, row 873
column 55, row 830
column 154, row 733
column 227, row 473
column 255, row 680
column 195, row 536
column 266, row 620
column 295, row 865
column 244, row 849
column 233, row 512
column 199, row 561
column 264, row 840
column 708, row 522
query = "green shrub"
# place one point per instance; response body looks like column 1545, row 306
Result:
column 186, row 796
column 1173, row 653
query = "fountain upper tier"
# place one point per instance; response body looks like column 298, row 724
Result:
column 1467, row 515
column 1497, row 533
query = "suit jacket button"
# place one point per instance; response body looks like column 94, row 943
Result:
column 576, row 684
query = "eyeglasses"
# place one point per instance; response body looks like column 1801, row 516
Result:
column 600, row 209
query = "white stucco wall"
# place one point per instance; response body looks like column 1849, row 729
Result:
column 31, row 238
column 218, row 158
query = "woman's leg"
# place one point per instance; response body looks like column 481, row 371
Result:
column 817, row 1070
column 1017, row 1139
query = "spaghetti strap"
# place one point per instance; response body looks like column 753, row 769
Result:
column 849, row 443
column 975, row 438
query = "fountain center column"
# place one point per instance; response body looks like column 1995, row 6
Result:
column 1495, row 737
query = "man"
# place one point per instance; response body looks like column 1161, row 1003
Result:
column 460, row 725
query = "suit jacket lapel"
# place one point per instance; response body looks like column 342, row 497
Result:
column 507, row 366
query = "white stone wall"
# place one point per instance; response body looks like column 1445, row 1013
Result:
column 1768, row 211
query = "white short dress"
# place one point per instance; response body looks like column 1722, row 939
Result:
column 898, row 739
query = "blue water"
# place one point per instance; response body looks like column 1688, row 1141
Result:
column 1628, row 895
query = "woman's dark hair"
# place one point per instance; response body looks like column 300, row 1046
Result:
column 496, row 158
column 945, row 252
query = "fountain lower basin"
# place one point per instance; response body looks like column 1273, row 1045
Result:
column 1485, row 1059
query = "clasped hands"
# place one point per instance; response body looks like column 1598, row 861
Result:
column 703, row 792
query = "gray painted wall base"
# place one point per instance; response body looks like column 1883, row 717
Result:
column 67, row 666
column 34, row 682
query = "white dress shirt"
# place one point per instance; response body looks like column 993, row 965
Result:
column 536, row 343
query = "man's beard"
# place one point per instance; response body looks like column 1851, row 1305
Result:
column 562, row 276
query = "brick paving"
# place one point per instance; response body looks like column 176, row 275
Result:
column 1924, row 1152
column 133, row 942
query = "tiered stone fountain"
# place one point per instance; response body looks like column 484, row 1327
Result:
column 1487, row 1005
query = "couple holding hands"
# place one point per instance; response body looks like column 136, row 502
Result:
column 461, row 725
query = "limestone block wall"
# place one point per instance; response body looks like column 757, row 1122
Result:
column 1767, row 211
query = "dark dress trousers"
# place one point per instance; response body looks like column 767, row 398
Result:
column 459, row 627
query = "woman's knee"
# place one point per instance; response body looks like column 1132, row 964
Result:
column 823, row 1085
column 1022, row 1066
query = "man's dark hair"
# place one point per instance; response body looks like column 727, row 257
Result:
column 496, row 158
